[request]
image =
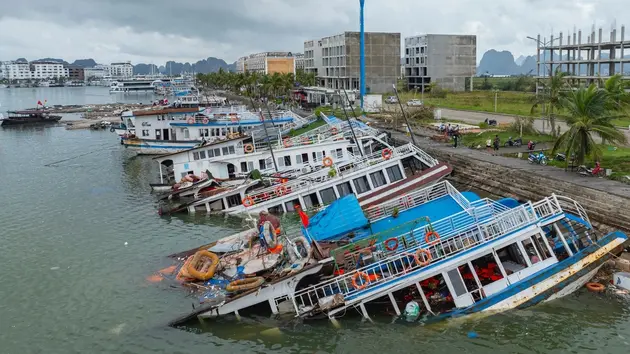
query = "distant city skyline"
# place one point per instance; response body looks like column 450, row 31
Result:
column 119, row 31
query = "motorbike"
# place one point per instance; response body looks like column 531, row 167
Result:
column 517, row 142
column 531, row 145
column 491, row 122
column 596, row 171
column 538, row 158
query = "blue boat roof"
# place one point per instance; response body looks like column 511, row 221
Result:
column 338, row 219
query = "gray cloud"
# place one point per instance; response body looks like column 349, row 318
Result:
column 158, row 30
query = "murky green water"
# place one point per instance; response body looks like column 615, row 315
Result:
column 69, row 284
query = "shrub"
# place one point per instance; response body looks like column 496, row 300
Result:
column 527, row 124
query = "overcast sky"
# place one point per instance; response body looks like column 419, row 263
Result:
column 153, row 31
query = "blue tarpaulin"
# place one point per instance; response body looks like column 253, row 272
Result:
column 340, row 217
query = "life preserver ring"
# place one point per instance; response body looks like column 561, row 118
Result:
column 432, row 238
column 333, row 131
column 328, row 161
column 387, row 154
column 305, row 140
column 307, row 247
column 195, row 263
column 205, row 121
column 595, row 287
column 248, row 201
column 281, row 190
column 271, row 239
column 190, row 120
column 287, row 142
column 245, row 284
column 426, row 254
column 364, row 277
column 248, row 148
column 388, row 244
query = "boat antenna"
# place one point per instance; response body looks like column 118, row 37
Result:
column 343, row 107
column 404, row 116
column 262, row 117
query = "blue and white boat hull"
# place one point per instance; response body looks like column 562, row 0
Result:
column 157, row 147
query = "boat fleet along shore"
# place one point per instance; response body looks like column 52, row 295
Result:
column 382, row 231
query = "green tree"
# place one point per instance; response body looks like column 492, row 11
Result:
column 588, row 114
column 551, row 96
column 617, row 95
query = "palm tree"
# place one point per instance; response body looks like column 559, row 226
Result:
column 615, row 87
column 588, row 115
column 550, row 98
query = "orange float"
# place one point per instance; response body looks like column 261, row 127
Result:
column 425, row 254
column 432, row 238
column 248, row 201
column 328, row 161
column 364, row 276
column 387, row 154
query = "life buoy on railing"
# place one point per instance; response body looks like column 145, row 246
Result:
column 334, row 131
column 245, row 284
column 422, row 253
column 432, row 238
column 387, row 154
column 248, row 201
column 287, row 142
column 363, row 277
column 388, row 244
column 194, row 264
column 249, row 148
column 191, row 120
column 205, row 121
column 328, row 161
column 281, row 190
column 306, row 140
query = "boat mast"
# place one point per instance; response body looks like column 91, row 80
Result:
column 343, row 107
column 404, row 115
column 262, row 117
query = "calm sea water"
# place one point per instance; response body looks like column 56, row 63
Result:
column 78, row 238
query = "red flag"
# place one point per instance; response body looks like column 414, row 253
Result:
column 39, row 103
column 303, row 216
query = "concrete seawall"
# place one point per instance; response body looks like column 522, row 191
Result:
column 607, row 202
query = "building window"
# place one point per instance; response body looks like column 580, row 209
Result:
column 361, row 185
column 344, row 189
column 328, row 195
column 417, row 60
column 407, row 52
column 394, row 173
column 378, row 179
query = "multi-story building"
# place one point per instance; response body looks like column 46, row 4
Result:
column 336, row 60
column 299, row 61
column 447, row 60
column 97, row 72
column 267, row 63
column 36, row 70
column 76, row 73
column 120, row 70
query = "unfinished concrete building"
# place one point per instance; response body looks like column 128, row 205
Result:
column 336, row 61
column 447, row 60
column 585, row 59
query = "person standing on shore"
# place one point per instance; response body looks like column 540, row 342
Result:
column 496, row 143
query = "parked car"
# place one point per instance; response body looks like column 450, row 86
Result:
column 414, row 102
column 391, row 100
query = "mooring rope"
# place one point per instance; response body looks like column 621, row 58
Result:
column 75, row 157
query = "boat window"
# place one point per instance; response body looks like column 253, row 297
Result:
column 223, row 132
column 394, row 173
column 457, row 282
column 217, row 152
column 541, row 247
column 203, row 133
column 233, row 200
column 290, row 205
column 344, row 189
column 145, row 133
column 361, row 185
column 302, row 158
column 512, row 258
column 318, row 155
column 470, row 282
column 243, row 166
column 186, row 133
column 202, row 154
column 262, row 163
column 487, row 269
column 378, row 179
column 195, row 156
column 226, row 151
column 158, row 134
column 328, row 195
column 231, row 150
column 435, row 289
column 210, row 153
column 284, row 161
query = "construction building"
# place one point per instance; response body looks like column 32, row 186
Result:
column 585, row 59
column 444, row 59
column 336, row 60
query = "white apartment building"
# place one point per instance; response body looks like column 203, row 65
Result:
column 299, row 61
column 240, row 64
column 98, row 72
column 120, row 70
column 268, row 63
column 36, row 70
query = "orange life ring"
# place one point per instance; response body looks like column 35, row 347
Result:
column 287, row 142
column 281, row 190
column 205, row 121
column 427, row 256
column 328, row 161
column 248, row 148
column 388, row 244
column 305, row 140
column 248, row 201
column 333, row 131
column 428, row 236
column 595, row 287
column 191, row 120
column 364, row 276
column 387, row 154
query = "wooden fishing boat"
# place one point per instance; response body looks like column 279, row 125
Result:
column 35, row 116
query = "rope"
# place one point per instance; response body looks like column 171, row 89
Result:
column 75, row 157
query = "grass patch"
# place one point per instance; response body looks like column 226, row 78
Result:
column 316, row 124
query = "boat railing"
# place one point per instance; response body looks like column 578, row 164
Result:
column 408, row 201
column 572, row 206
column 367, row 279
